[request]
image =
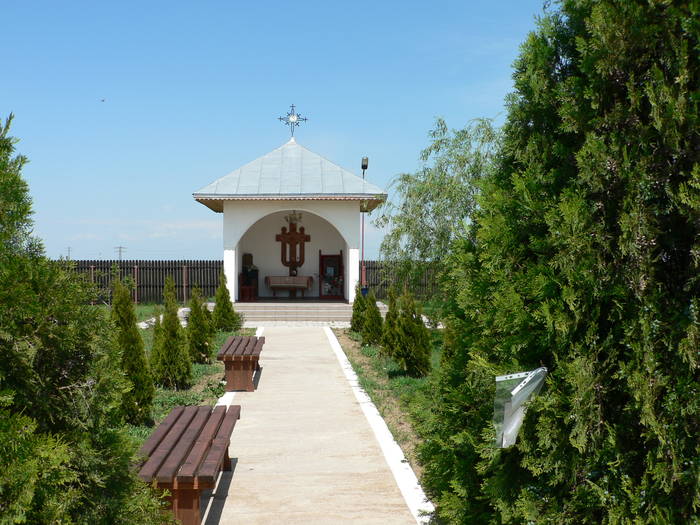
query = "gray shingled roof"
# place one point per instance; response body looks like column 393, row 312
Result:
column 290, row 172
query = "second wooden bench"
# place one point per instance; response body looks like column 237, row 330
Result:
column 241, row 356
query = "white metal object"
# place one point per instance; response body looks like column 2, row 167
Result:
column 513, row 391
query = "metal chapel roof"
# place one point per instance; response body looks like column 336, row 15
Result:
column 290, row 172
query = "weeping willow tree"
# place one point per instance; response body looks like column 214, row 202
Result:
column 582, row 257
column 430, row 208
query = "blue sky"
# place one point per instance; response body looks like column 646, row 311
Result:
column 192, row 90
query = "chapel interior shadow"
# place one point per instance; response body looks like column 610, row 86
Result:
column 217, row 497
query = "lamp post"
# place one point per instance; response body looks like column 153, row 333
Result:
column 363, row 271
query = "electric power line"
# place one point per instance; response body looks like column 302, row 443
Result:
column 120, row 250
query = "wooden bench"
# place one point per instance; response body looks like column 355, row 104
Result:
column 289, row 282
column 241, row 358
column 186, row 453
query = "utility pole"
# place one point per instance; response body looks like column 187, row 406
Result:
column 68, row 250
column 120, row 250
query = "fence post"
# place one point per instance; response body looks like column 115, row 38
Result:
column 136, row 284
column 184, row 283
column 92, row 278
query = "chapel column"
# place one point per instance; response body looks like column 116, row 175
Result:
column 231, row 273
column 353, row 271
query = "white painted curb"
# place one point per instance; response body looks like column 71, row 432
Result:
column 405, row 478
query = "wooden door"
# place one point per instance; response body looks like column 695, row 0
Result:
column 332, row 280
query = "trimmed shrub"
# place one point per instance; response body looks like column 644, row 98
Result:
column 389, row 331
column 65, row 456
column 199, row 338
column 226, row 319
column 412, row 349
column 136, row 403
column 358, row 310
column 170, row 360
column 371, row 322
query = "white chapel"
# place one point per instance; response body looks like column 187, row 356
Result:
column 291, row 225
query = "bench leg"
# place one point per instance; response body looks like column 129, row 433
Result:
column 227, row 462
column 230, row 372
column 186, row 506
column 241, row 376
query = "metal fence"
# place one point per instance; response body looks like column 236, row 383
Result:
column 148, row 278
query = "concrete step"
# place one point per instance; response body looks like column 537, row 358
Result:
column 297, row 311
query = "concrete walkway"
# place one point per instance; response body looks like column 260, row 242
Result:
column 303, row 450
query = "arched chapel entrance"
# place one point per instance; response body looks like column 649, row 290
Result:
column 323, row 248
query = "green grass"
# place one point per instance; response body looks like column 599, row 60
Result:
column 398, row 397
column 143, row 310
column 207, row 386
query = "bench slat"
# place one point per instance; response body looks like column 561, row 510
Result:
column 152, row 442
column 210, row 467
column 250, row 345
column 233, row 349
column 258, row 346
column 201, row 446
column 152, row 466
column 225, row 346
column 174, row 460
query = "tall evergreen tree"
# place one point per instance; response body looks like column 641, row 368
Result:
column 199, row 338
column 389, row 335
column 585, row 261
column 412, row 344
column 170, row 359
column 358, row 310
column 225, row 317
column 136, row 403
column 371, row 322
column 64, row 456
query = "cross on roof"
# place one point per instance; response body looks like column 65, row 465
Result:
column 292, row 119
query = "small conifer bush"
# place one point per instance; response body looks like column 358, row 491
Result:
column 372, row 322
column 389, row 343
column 170, row 360
column 226, row 319
column 358, row 310
column 209, row 318
column 199, row 339
column 412, row 339
column 136, row 403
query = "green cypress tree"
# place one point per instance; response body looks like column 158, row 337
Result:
column 412, row 344
column 170, row 361
column 389, row 333
column 156, row 359
column 358, row 310
column 585, row 261
column 136, row 403
column 226, row 319
column 371, row 322
column 209, row 319
column 198, row 330
column 64, row 455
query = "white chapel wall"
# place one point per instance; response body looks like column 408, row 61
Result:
column 240, row 216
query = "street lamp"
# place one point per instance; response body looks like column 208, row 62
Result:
column 363, row 274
